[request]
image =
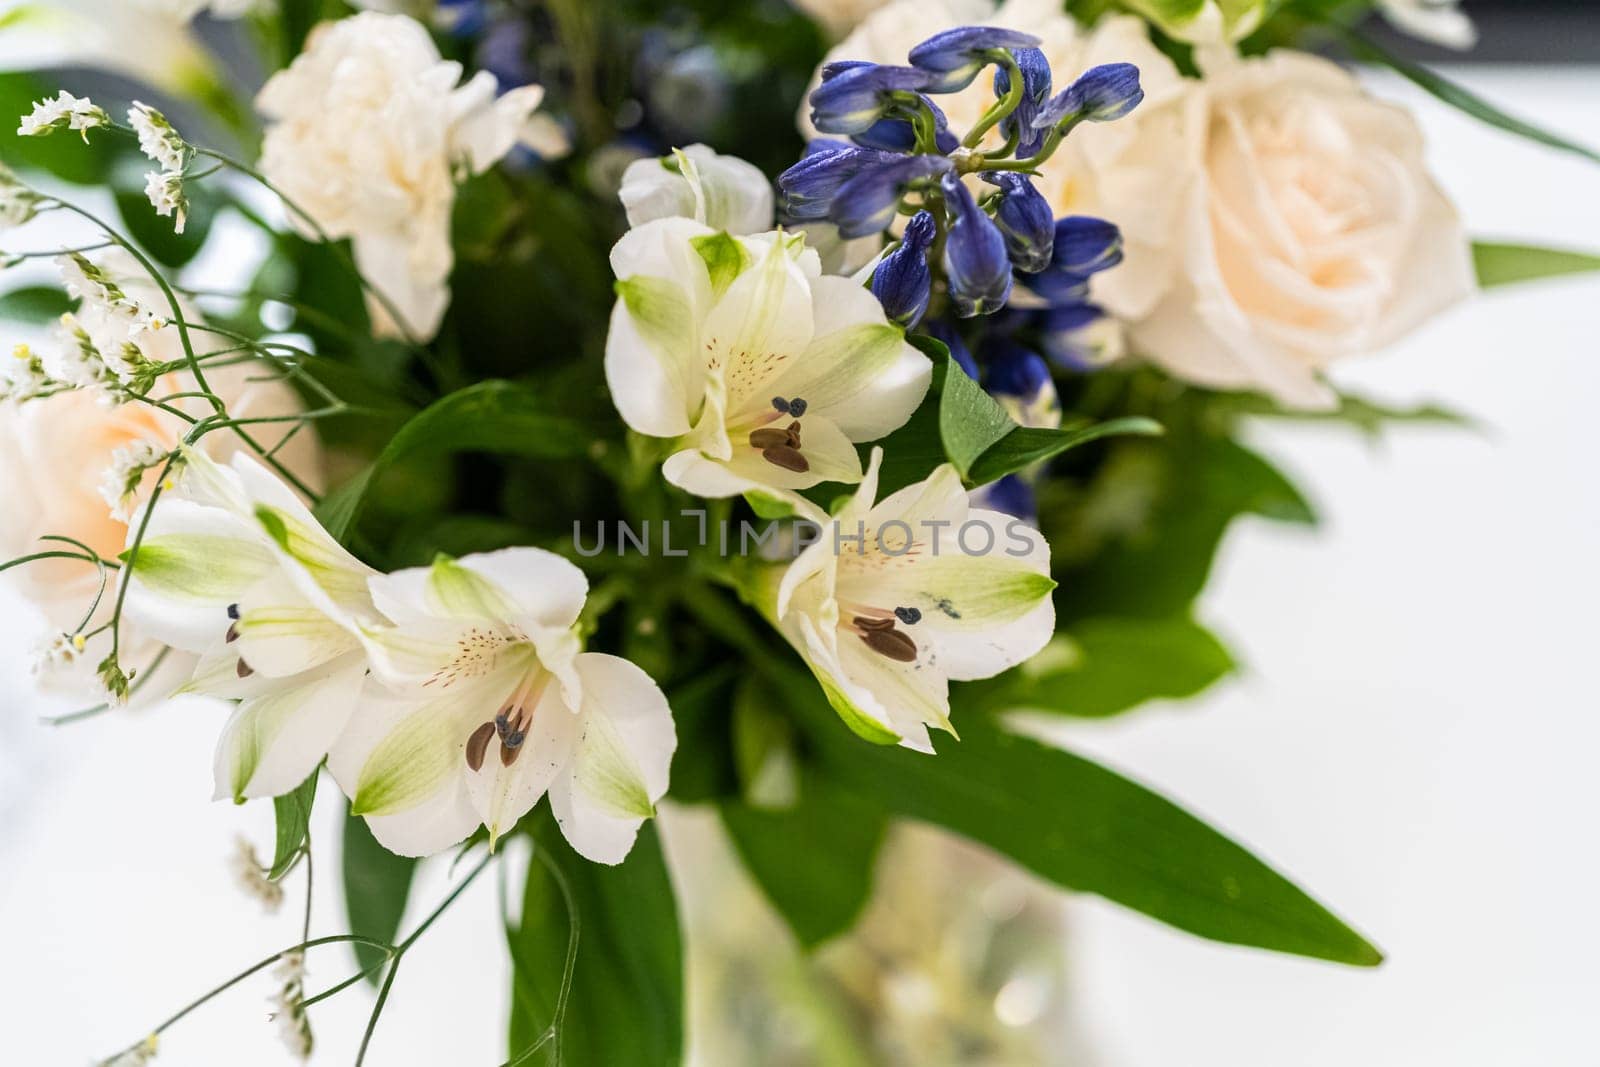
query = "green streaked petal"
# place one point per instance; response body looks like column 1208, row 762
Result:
column 411, row 763
column 725, row 259
column 200, row 567
column 459, row 592
column 606, row 771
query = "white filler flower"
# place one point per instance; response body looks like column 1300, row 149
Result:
column 895, row 600
column 761, row 369
column 490, row 706
column 367, row 128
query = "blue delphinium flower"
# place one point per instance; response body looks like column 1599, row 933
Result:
column 1035, row 94
column 1024, row 217
column 462, row 18
column 1101, row 94
column 975, row 259
column 896, row 155
column 956, row 56
column 869, row 201
column 902, row 282
column 856, row 97
column 811, row 185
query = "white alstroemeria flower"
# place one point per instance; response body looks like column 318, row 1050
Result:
column 489, row 705
column 760, row 368
column 1441, row 22
column 234, row 567
column 895, row 600
column 724, row 192
column 368, row 130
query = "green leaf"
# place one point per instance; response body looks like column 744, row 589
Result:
column 624, row 1005
column 1463, row 100
column 376, row 884
column 36, row 305
column 1158, row 564
column 292, row 814
column 970, row 420
column 1086, row 828
column 1508, row 264
column 494, row 416
column 1105, row 666
column 1025, row 446
column 813, row 861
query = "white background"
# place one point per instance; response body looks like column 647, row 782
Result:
column 1414, row 739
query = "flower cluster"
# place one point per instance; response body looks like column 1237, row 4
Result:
column 65, row 112
column 980, row 240
column 162, row 143
column 479, row 700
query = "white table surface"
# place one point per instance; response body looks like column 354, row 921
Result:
column 1415, row 740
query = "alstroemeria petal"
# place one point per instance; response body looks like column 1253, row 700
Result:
column 309, row 551
column 398, row 761
column 281, row 632
column 273, row 741
column 858, row 370
column 857, row 694
column 193, row 562
column 539, row 586
column 622, row 762
column 980, row 613
column 763, row 320
column 500, row 794
column 397, row 752
column 654, row 365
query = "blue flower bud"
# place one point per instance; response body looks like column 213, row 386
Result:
column 832, row 70
column 1101, row 94
column 956, row 56
column 1016, row 374
column 945, row 331
column 1035, row 94
column 1012, row 495
column 897, row 134
column 462, row 18
column 810, row 186
column 857, row 96
column 1085, row 245
column 1069, row 336
column 868, row 202
column 975, row 260
column 903, row 282
column 1025, row 218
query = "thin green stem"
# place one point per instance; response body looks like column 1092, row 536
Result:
column 1002, row 107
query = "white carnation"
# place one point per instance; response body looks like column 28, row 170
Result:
column 368, row 128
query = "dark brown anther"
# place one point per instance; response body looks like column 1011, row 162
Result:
column 786, row 457
column 509, row 754
column 891, row 643
column 768, row 437
column 233, row 633
column 244, row 670
column 864, row 622
column 792, row 435
column 478, row 744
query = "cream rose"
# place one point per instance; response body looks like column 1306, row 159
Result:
column 1276, row 218
column 367, row 127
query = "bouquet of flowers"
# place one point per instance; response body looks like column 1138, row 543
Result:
column 525, row 415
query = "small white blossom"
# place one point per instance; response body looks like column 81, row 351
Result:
column 1441, row 22
column 26, row 377
column 18, row 203
column 252, row 877
column 165, row 190
column 288, row 1005
column 64, row 112
column 57, row 653
column 119, row 483
column 157, row 138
